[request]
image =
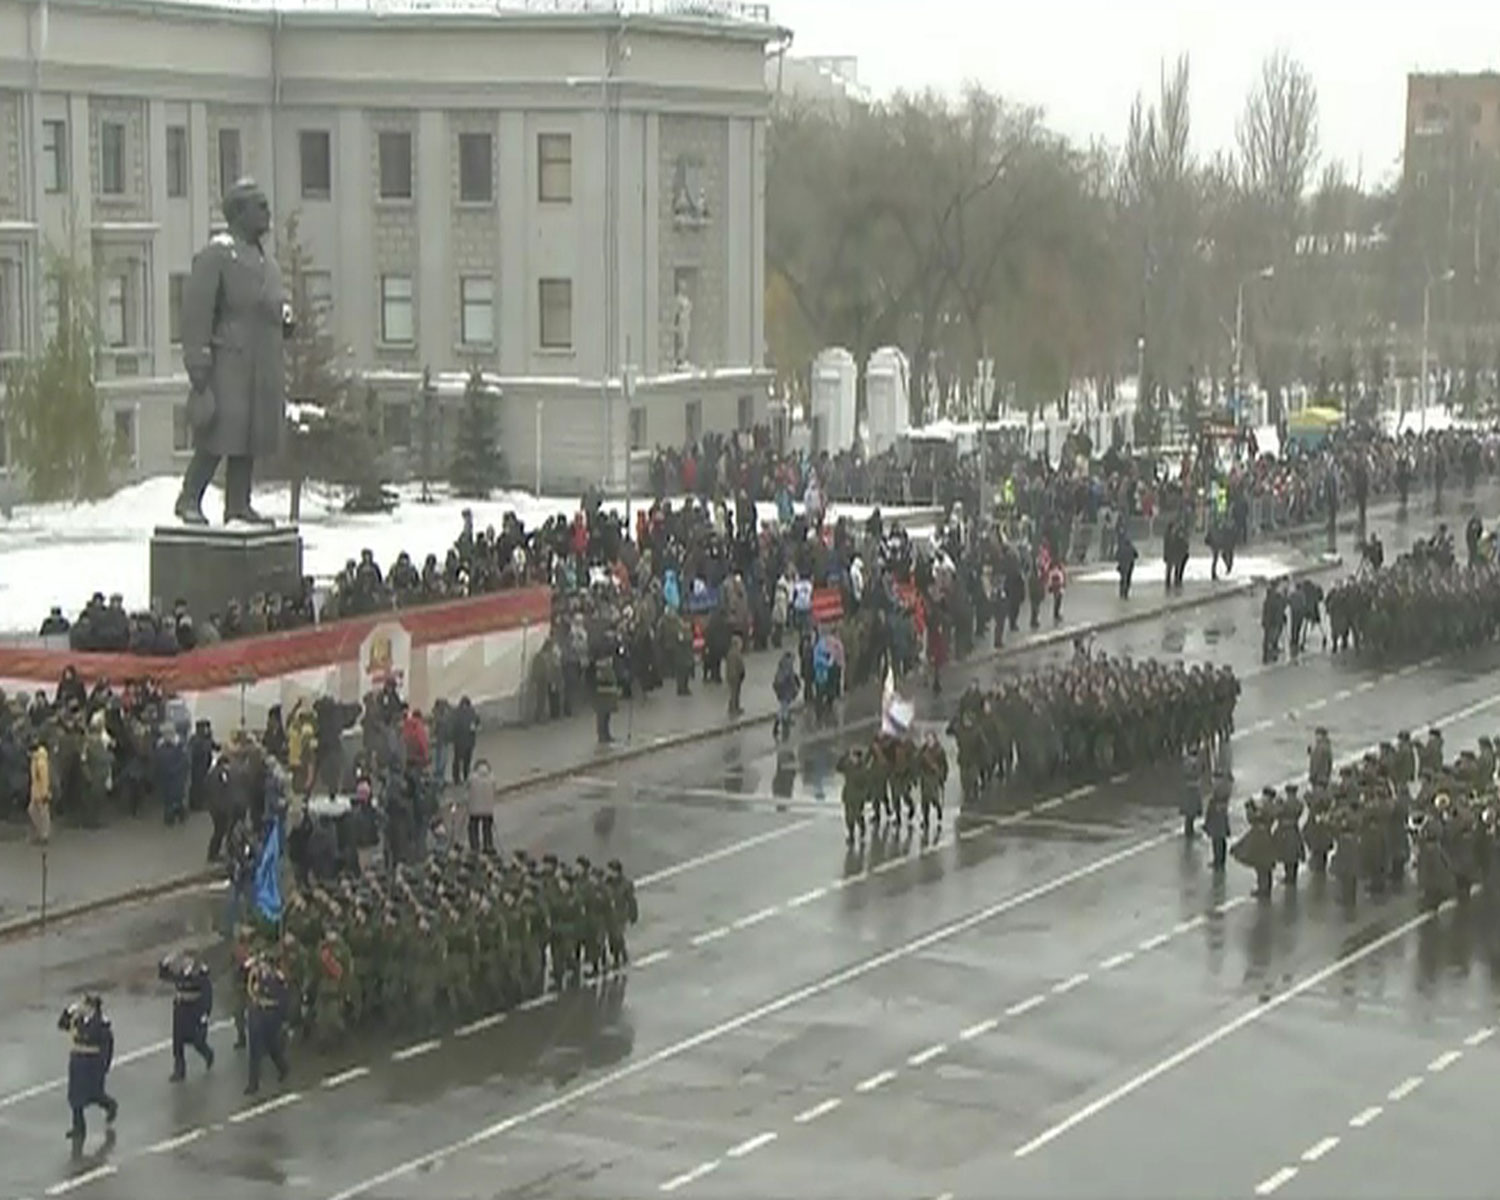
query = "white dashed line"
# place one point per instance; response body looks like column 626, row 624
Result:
column 817, row 1110
column 807, row 897
column 260, row 1110
column 416, row 1051
column 480, row 1025
column 756, row 918
column 713, row 856
column 1315, row 1152
column 1026, row 1005
column 1190, row 924
column 751, row 1145
column 1120, row 778
column 1080, row 792
column 1369, row 685
column 1361, row 1119
column 1117, row 960
column 1152, row 943
column 1266, row 1186
column 167, row 1145
column 1067, row 985
column 1477, row 1039
column 890, row 864
column 78, row 1181
column 653, row 958
column 1343, row 693
column 875, row 1081
column 1405, row 1088
column 348, row 1076
column 1443, row 1061
column 692, row 1176
column 1409, row 669
column 713, row 935
column 922, row 1057
column 1314, row 705
column 979, row 1030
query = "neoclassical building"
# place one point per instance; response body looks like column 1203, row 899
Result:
column 568, row 199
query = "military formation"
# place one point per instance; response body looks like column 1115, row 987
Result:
column 883, row 777
column 1089, row 719
column 440, row 943
column 1400, row 807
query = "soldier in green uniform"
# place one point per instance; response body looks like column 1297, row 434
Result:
column 1256, row 847
column 933, row 770
column 854, row 766
column 623, row 911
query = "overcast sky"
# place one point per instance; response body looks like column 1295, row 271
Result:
column 1084, row 60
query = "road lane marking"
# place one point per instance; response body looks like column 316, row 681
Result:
column 1484, row 1035
column 1360, row 1119
column 1405, row 1088
column 260, row 1110
column 480, row 1025
column 1315, row 705
column 1083, row 789
column 723, row 852
column 692, row 1176
column 1117, row 960
column 1343, row 694
column 979, row 1030
column 1315, row 1152
column 874, row 1082
column 922, row 1057
column 653, row 958
column 1443, row 1061
column 1026, row 1005
column 416, row 1051
column 1152, row 943
column 78, row 1181
column 1284, row 1176
column 807, row 897
column 1228, row 1029
column 890, row 864
column 344, row 1077
column 1190, row 924
column 756, row 918
column 167, row 1145
column 713, row 935
column 1049, row 805
column 817, row 1110
column 715, row 1033
column 1369, row 685
column 1067, row 985
column 751, row 1145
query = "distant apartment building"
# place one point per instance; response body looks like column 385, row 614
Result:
column 1450, row 114
column 560, row 198
column 829, row 80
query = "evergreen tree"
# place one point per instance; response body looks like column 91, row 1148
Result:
column 477, row 466
column 51, row 408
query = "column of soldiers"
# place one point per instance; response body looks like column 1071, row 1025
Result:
column 882, row 778
column 465, row 934
column 1400, row 806
column 1089, row 719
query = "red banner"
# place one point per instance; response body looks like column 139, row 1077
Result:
column 827, row 605
column 227, row 663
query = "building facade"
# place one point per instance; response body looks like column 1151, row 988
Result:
column 561, row 199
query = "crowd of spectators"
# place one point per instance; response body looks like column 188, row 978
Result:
column 107, row 627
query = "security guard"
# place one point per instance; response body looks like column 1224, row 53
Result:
column 192, row 1002
column 89, row 1060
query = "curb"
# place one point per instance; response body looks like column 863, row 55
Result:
column 22, row 926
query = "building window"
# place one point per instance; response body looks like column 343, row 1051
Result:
column 316, row 151
column 476, row 168
column 112, row 158
column 177, row 161
column 556, row 299
column 554, row 154
column 175, row 284
column 396, row 423
column 317, row 297
column 746, row 413
column 182, row 430
column 398, row 325
column 477, row 304
column 638, row 428
column 229, row 159
column 113, row 311
column 692, row 419
column 55, row 156
column 124, row 443
column 395, row 166
column 11, row 325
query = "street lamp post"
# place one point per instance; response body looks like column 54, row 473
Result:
column 1426, row 331
column 1239, row 331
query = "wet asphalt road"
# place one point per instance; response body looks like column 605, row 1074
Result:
column 1066, row 979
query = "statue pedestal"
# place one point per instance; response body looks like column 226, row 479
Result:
column 210, row 566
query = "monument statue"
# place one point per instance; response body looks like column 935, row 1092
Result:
column 234, row 320
column 682, row 326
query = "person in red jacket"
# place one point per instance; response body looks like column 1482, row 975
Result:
column 414, row 738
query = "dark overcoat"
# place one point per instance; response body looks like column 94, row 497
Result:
column 233, row 328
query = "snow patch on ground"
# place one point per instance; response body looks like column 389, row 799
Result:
column 1246, row 566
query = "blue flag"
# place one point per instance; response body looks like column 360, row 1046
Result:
column 267, row 893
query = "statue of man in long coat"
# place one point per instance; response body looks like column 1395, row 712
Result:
column 234, row 320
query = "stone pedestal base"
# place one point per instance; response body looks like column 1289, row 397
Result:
column 209, row 567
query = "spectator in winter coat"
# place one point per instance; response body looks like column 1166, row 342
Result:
column 465, row 734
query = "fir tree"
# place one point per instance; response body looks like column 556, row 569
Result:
column 51, row 408
column 477, row 466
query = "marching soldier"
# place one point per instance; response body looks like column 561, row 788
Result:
column 853, row 764
column 933, row 766
column 89, row 1058
column 1256, row 847
column 1290, row 848
column 1216, row 818
column 192, row 1003
column 268, row 995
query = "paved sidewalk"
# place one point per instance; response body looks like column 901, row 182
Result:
column 138, row 858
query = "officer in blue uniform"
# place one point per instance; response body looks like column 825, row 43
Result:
column 192, row 1002
column 267, row 1013
column 89, row 1060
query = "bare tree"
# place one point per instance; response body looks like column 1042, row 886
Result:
column 1278, row 140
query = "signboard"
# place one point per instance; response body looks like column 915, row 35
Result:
column 385, row 654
